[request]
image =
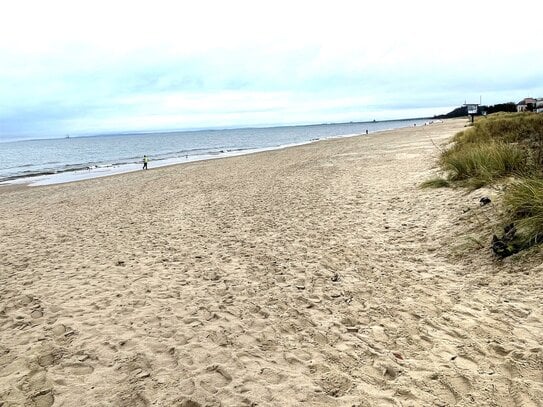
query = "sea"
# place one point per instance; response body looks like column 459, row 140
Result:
column 59, row 160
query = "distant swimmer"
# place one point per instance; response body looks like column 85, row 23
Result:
column 145, row 161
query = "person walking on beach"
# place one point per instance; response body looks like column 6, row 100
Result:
column 145, row 161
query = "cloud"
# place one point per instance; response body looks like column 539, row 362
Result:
column 108, row 66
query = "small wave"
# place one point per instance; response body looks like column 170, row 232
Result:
column 26, row 174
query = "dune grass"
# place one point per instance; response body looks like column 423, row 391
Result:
column 497, row 146
column 506, row 148
column 435, row 183
column 484, row 162
column 523, row 201
column 504, row 127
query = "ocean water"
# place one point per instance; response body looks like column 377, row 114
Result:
column 49, row 161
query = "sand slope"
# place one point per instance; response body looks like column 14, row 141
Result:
column 319, row 275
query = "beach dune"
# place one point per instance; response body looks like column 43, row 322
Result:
column 318, row 275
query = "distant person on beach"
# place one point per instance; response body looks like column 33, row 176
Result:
column 145, row 161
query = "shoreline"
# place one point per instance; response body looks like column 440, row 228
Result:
column 119, row 169
column 320, row 274
column 51, row 176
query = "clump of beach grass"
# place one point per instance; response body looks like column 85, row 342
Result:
column 484, row 162
column 495, row 147
column 507, row 149
column 523, row 201
column 435, row 183
column 504, row 127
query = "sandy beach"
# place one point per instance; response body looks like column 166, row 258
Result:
column 318, row 275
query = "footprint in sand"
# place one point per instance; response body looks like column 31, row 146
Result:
column 248, row 361
column 47, row 359
column 37, row 313
column 255, row 390
column 78, row 369
column 334, row 384
column 271, row 376
column 466, row 363
column 523, row 400
column 186, row 387
column 219, row 337
column 445, row 396
column 458, row 386
column 59, row 330
column 388, row 370
column 131, row 398
column 43, row 398
column 39, row 387
column 379, row 333
column 216, row 378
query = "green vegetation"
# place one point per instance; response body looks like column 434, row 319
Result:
column 505, row 127
column 505, row 148
column 524, row 203
column 435, row 183
column 495, row 147
column 484, row 162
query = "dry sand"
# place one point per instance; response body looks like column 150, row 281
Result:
column 319, row 275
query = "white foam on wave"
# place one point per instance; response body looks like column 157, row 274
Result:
column 98, row 172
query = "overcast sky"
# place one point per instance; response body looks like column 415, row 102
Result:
column 74, row 67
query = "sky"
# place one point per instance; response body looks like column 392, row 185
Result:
column 88, row 67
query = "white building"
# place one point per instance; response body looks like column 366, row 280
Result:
column 526, row 104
